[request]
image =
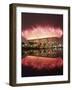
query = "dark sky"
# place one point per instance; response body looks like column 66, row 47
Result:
column 30, row 19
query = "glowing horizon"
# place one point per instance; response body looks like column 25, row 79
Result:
column 39, row 32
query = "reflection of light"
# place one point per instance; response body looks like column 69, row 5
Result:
column 42, row 62
column 41, row 32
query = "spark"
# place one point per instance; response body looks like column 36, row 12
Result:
column 39, row 32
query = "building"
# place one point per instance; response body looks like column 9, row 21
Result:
column 44, row 43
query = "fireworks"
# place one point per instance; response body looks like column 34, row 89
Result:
column 41, row 32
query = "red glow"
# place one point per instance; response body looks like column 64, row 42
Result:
column 41, row 32
column 42, row 62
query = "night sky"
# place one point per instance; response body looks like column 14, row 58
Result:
column 29, row 19
column 35, row 26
